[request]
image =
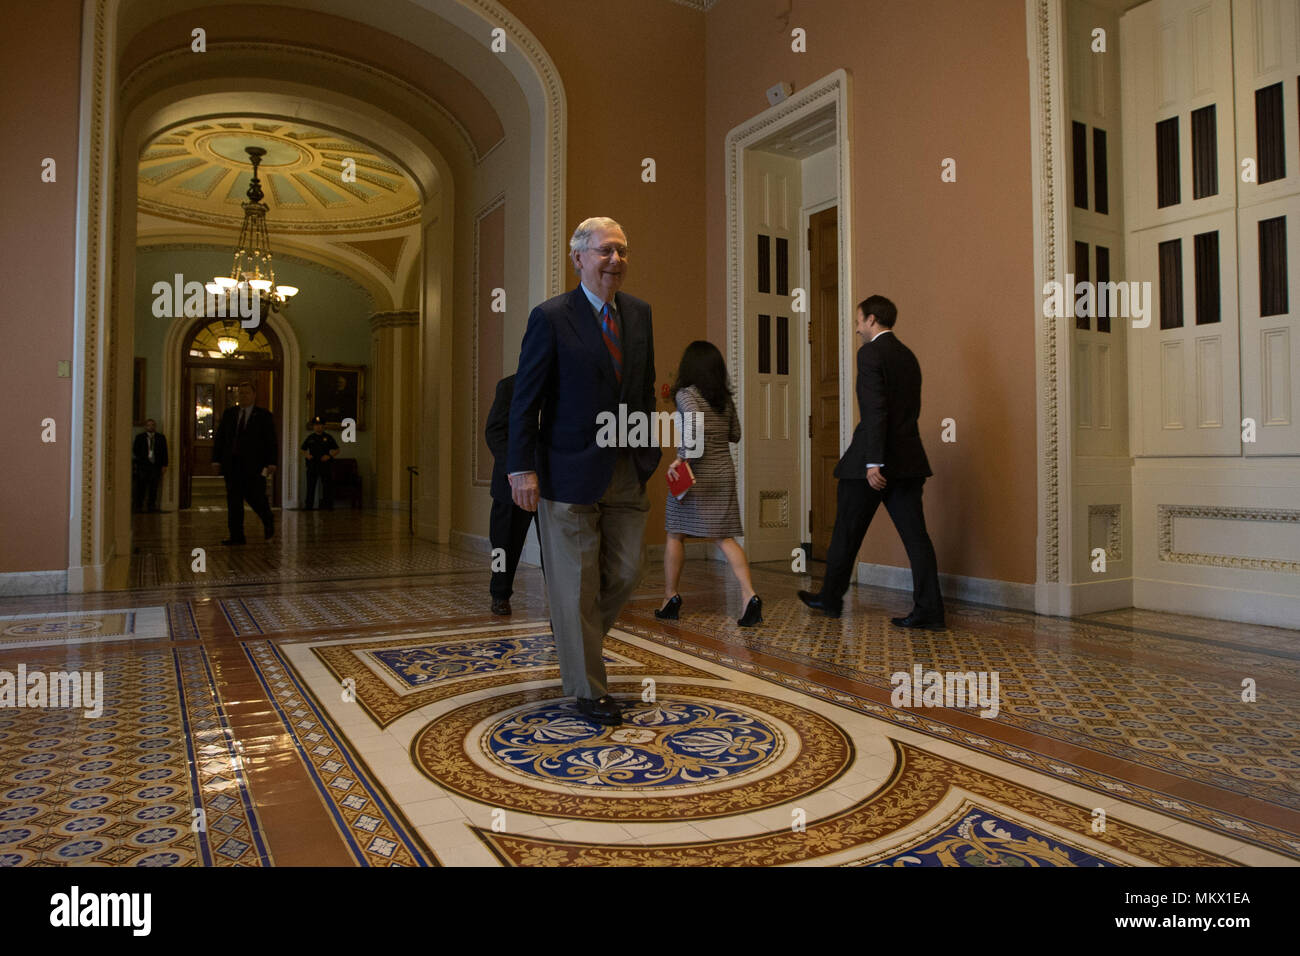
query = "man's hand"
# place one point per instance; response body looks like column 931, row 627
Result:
column 525, row 490
column 270, row 470
column 876, row 479
column 306, row 454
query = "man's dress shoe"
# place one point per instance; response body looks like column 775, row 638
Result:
column 819, row 603
column 913, row 621
column 604, row 710
column 501, row 606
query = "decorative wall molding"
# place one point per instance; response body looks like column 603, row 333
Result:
column 281, row 51
column 1114, row 529
column 552, row 167
column 1045, row 23
column 1165, row 515
column 394, row 320
column 493, row 204
column 782, row 498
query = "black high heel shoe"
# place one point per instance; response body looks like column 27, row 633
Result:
column 753, row 612
column 669, row 611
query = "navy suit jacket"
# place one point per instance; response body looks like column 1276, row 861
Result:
column 564, row 380
column 889, row 402
column 251, row 451
column 497, row 436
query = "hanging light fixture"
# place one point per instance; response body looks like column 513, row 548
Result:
column 228, row 344
column 253, row 270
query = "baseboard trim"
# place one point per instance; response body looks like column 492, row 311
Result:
column 1224, row 604
column 18, row 583
column 976, row 590
column 1107, row 595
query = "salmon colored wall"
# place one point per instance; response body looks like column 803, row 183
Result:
column 40, row 52
column 929, row 79
column 633, row 74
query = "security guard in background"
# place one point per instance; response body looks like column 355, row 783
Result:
column 321, row 449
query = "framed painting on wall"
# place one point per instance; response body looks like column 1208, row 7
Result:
column 336, row 392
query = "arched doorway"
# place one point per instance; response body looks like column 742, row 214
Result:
column 216, row 355
column 132, row 90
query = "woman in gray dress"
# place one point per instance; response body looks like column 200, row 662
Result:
column 710, row 508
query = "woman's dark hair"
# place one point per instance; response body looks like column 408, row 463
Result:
column 702, row 366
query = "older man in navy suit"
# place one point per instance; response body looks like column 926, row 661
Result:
column 585, row 353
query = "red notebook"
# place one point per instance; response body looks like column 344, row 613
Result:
column 685, row 478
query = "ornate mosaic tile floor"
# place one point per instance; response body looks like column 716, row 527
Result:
column 83, row 627
column 353, row 703
column 155, row 780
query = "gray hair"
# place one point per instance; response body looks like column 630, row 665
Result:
column 582, row 235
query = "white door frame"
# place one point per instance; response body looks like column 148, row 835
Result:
column 832, row 89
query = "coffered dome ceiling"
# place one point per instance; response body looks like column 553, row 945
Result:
column 199, row 173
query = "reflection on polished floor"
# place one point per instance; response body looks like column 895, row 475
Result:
column 341, row 696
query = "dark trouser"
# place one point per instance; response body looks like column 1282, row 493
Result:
column 855, row 506
column 507, row 529
column 244, row 484
column 147, row 477
column 324, row 471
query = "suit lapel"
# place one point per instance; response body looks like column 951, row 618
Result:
column 587, row 328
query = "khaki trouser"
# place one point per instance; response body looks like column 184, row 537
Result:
column 594, row 557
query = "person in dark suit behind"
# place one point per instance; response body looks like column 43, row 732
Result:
column 884, row 462
column 509, row 524
column 320, row 449
column 584, row 353
column 246, row 450
column 149, row 454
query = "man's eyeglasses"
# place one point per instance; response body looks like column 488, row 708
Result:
column 608, row 250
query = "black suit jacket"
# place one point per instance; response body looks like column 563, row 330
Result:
column 497, row 436
column 565, row 379
column 251, row 451
column 140, row 449
column 889, row 402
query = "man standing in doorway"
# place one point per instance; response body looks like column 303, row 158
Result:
column 884, row 462
column 246, row 450
column 585, row 352
column 320, row 450
column 149, row 453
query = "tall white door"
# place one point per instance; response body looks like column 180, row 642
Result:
column 772, row 356
column 1212, row 220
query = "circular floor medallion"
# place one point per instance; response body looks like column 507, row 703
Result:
column 696, row 752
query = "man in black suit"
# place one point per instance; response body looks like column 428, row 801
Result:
column 245, row 448
column 509, row 524
column 584, row 354
column 884, row 462
column 149, row 454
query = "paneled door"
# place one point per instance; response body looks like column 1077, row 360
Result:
column 772, row 423
column 823, row 342
column 1180, row 209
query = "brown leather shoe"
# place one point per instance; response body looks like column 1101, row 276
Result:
column 501, row 606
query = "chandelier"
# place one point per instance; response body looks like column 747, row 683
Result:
column 252, row 271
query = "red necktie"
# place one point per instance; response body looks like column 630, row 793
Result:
column 609, row 331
